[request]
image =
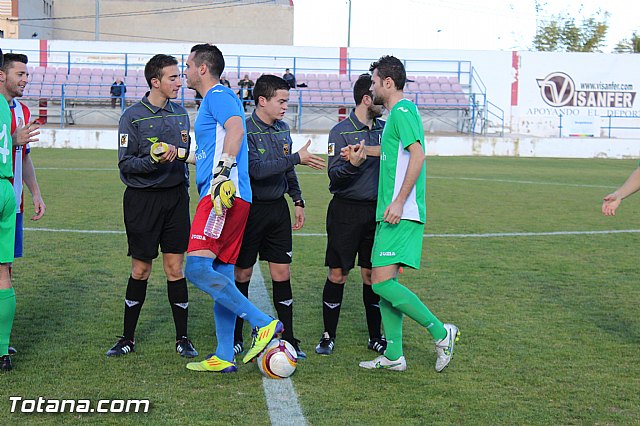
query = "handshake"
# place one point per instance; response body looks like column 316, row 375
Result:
column 355, row 154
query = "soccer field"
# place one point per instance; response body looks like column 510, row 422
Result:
column 517, row 254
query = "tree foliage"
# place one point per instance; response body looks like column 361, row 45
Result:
column 631, row 45
column 561, row 33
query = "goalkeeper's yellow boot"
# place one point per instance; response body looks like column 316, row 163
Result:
column 261, row 338
column 213, row 363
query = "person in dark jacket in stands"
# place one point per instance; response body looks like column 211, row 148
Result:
column 118, row 89
column 289, row 78
column 246, row 90
column 224, row 81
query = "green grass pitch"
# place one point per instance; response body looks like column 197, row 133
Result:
column 549, row 323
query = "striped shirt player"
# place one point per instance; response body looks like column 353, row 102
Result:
column 221, row 155
column 20, row 115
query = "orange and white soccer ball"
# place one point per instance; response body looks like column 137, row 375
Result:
column 278, row 360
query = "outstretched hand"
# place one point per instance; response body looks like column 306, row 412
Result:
column 610, row 204
column 309, row 159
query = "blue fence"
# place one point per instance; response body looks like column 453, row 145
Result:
column 462, row 88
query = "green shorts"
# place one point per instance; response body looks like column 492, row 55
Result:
column 398, row 244
column 7, row 221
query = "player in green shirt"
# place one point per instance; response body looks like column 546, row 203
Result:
column 7, row 229
column 400, row 216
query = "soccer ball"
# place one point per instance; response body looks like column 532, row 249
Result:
column 278, row 360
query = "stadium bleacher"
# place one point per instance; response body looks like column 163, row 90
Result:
column 92, row 85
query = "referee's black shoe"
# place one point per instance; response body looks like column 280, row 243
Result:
column 185, row 348
column 5, row 363
column 325, row 347
column 296, row 346
column 12, row 350
column 238, row 347
column 379, row 344
column 122, row 347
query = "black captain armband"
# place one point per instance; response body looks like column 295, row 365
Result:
column 299, row 203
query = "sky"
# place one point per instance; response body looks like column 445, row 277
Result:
column 448, row 24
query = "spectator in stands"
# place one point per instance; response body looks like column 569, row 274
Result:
column 118, row 89
column 351, row 215
column 224, row 81
column 272, row 171
column 246, row 90
column 289, row 78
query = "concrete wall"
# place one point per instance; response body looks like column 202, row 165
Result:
column 36, row 9
column 436, row 145
column 192, row 21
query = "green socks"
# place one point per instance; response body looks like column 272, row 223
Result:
column 7, row 313
column 396, row 300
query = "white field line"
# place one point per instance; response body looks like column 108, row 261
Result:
column 302, row 234
column 281, row 397
column 523, row 182
column 82, row 169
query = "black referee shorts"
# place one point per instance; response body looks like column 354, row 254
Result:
column 351, row 226
column 158, row 217
column 268, row 234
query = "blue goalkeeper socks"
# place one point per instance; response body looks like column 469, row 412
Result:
column 216, row 279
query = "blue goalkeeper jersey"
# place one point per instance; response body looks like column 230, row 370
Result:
column 218, row 105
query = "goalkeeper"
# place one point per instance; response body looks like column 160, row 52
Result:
column 154, row 144
column 222, row 177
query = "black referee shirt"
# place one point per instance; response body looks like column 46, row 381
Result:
column 141, row 125
column 346, row 180
column 271, row 162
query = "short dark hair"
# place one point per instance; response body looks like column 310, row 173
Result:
column 10, row 58
column 267, row 86
column 211, row 56
column 154, row 67
column 362, row 87
column 390, row 66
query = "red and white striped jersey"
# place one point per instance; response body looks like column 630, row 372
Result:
column 20, row 116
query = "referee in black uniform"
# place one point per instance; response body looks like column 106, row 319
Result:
column 351, row 215
column 268, row 231
column 156, row 200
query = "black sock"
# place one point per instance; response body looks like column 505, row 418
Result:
column 372, row 310
column 244, row 289
column 179, row 301
column 331, row 303
column 283, row 302
column 136, row 292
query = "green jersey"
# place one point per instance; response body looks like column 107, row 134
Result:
column 403, row 128
column 6, row 168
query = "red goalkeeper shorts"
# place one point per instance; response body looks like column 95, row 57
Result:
column 227, row 246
